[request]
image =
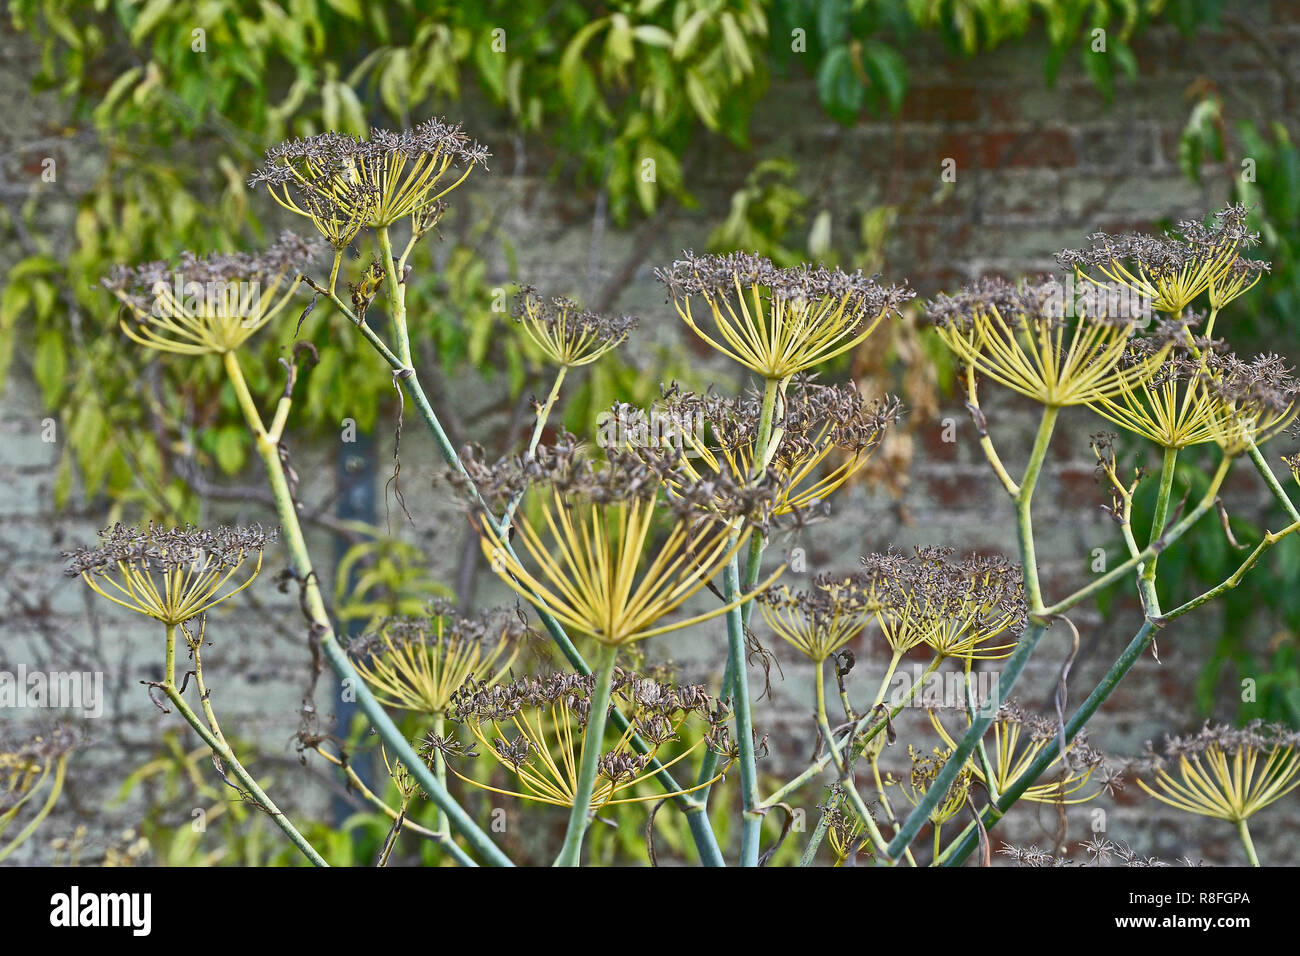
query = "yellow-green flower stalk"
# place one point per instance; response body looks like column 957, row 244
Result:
column 209, row 305
column 777, row 322
column 377, row 180
column 170, row 575
column 1023, row 338
column 1225, row 773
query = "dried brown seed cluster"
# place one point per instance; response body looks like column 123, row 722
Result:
column 1029, row 305
column 714, row 275
column 1257, row 736
column 1264, row 384
column 342, row 183
column 810, row 416
column 167, row 549
column 646, row 700
column 1100, row 851
column 822, row 619
column 289, row 255
column 442, row 622
column 1190, row 244
column 332, row 152
column 568, row 469
column 991, row 585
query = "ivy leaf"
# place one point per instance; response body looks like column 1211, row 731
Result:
column 50, row 366
column 841, row 91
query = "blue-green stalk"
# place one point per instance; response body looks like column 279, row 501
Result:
column 592, row 739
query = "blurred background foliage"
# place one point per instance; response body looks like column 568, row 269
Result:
column 181, row 97
column 176, row 100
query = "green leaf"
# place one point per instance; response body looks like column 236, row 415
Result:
column 50, row 366
column 349, row 8
column 150, row 16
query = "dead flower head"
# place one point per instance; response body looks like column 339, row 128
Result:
column 814, row 425
column 535, row 727
column 1223, row 772
column 1021, row 337
column 777, row 322
column 418, row 663
column 170, row 575
column 565, row 334
column 342, row 183
column 957, row 607
column 1173, row 270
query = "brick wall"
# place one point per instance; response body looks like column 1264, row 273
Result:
column 1037, row 169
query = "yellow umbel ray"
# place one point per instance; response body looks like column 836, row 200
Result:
column 799, row 472
column 376, row 181
column 817, row 623
column 419, row 668
column 600, row 570
column 1231, row 778
column 1015, row 748
column 170, row 575
column 1174, row 411
column 564, row 333
column 184, row 592
column 1046, row 358
column 1173, row 290
column 776, row 322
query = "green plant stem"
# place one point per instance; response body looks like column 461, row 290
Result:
column 1270, row 479
column 867, row 735
column 1161, row 515
column 752, row 825
column 314, row 605
column 1244, row 831
column 737, row 668
column 1170, row 535
column 815, row 841
column 1269, row 539
column 218, row 745
column 440, row 771
column 543, row 414
column 1024, row 508
column 444, row 840
column 697, row 818
column 396, row 297
column 1015, row 664
column 592, row 742
column 964, row 844
column 841, row 764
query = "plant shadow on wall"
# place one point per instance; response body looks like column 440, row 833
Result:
column 612, row 544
